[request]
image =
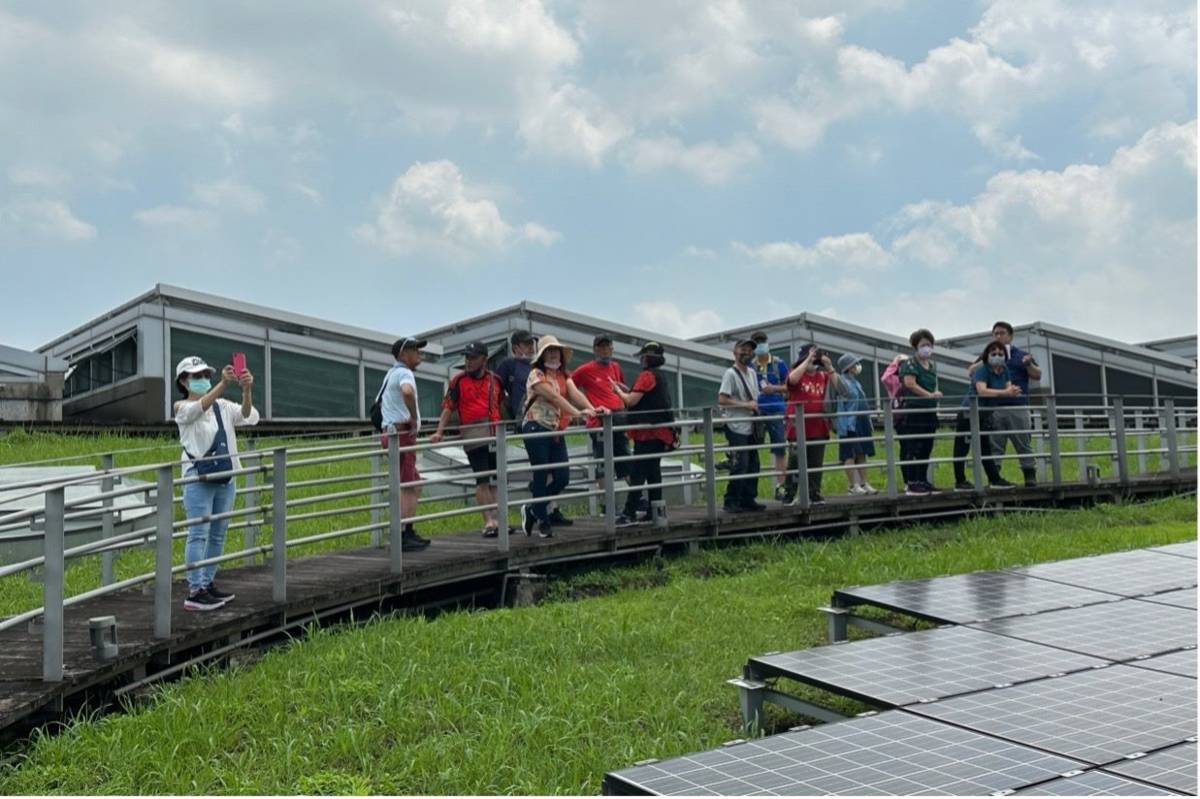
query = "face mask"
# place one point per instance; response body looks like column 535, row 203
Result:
column 925, row 351
column 746, row 358
column 995, row 359
column 199, row 385
column 762, row 349
column 552, row 363
column 604, row 361
column 856, row 369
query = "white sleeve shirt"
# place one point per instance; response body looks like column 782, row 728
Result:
column 198, row 428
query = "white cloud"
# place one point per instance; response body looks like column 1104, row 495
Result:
column 175, row 217
column 571, row 122
column 38, row 176
column 229, row 195
column 668, row 318
column 43, row 219
column 431, row 209
column 306, row 191
column 692, row 251
column 708, row 162
column 851, row 251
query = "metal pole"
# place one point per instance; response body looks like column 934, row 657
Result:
column 502, row 484
column 802, row 494
column 976, row 445
column 1080, row 445
column 106, row 519
column 1118, row 411
column 279, row 525
column 1139, row 424
column 250, row 532
column 376, row 464
column 1172, row 438
column 1055, row 443
column 889, row 447
column 1039, row 446
column 710, row 468
column 394, row 525
column 52, row 587
column 610, row 483
column 163, row 552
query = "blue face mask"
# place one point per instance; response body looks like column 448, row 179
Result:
column 199, row 385
column 762, row 349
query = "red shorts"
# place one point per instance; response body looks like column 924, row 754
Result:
column 408, row 460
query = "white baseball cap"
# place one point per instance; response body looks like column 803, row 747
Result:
column 192, row 365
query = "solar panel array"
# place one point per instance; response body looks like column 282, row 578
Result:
column 1173, row 768
column 1183, row 598
column 913, row 667
column 1133, row 573
column 1183, row 663
column 1093, row 783
column 1186, row 549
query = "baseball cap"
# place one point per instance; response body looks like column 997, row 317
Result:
column 408, row 343
column 650, row 348
column 474, row 349
column 601, row 338
column 192, row 365
column 746, row 342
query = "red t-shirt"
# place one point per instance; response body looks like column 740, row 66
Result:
column 592, row 378
column 644, row 385
column 477, row 399
column 809, row 393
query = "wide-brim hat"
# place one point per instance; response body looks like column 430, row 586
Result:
column 192, row 365
column 545, row 343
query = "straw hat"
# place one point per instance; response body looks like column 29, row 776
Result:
column 545, row 343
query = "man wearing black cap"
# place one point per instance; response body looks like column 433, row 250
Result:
column 402, row 419
column 476, row 396
column 514, row 372
column 650, row 399
column 595, row 379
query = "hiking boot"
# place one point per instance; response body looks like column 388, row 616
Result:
column 545, row 530
column 202, row 601
column 527, row 520
column 216, row 593
column 556, row 517
column 964, row 485
column 411, row 542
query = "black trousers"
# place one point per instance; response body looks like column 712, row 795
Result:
column 814, row 453
column 962, row 445
column 917, row 450
column 742, row 488
column 644, row 472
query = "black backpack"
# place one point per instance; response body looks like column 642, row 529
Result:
column 376, row 412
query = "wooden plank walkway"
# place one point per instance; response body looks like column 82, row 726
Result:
column 361, row 577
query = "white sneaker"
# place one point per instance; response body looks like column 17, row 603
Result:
column 857, row 490
column 869, row 489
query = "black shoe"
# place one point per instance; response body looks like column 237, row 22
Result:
column 1000, row 482
column 625, row 520
column 752, row 507
column 964, row 485
column 545, row 530
column 556, row 517
column 916, row 490
column 202, row 601
column 816, row 498
column 643, row 505
column 734, row 509
column 491, row 532
column 216, row 593
column 411, row 542
column 931, row 488
column 1030, row 479
column 527, row 520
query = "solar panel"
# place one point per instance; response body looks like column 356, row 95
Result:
column 1133, row 573
column 964, row 598
column 1115, row 630
column 1173, row 768
column 912, row 667
column 1184, row 549
column 1098, row 716
column 1093, row 783
column 1183, row 598
column 891, row 753
column 1182, row 663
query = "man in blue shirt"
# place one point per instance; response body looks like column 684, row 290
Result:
column 514, row 372
column 772, row 401
column 1010, row 417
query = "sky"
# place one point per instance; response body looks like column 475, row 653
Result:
column 678, row 165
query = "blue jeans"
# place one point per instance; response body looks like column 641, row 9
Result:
column 205, row 539
column 546, row 482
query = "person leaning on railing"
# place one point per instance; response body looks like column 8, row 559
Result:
column 597, row 379
column 918, row 376
column 962, row 429
column 206, row 430
column 652, row 400
column 994, row 385
column 551, row 402
column 1011, row 414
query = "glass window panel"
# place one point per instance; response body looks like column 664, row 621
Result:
column 305, row 386
column 102, row 373
column 699, row 392
column 1076, row 382
column 217, row 351
column 1137, row 388
column 429, row 397
column 125, row 359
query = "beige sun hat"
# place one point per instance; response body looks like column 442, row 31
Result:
column 545, row 343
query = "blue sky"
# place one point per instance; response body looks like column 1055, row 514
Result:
column 683, row 166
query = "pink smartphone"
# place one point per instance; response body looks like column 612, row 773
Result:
column 239, row 363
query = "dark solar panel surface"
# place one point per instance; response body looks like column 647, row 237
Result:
column 1186, row 549
column 963, row 598
column 1183, row 598
column 1094, row 783
column 1173, row 768
column 1115, row 630
column 890, row 753
column 1098, row 716
column 930, row 664
column 1182, row 663
column 1133, row 573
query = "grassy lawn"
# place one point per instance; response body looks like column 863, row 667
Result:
column 535, row 700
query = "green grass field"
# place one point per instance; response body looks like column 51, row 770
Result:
column 623, row 664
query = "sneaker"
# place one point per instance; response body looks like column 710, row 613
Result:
column 643, row 505
column 780, row 493
column 491, row 532
column 624, row 520
column 816, row 498
column 964, row 485
column 411, row 542
column 869, row 489
column 916, row 490
column 733, row 509
column 931, row 488
column 1000, row 482
column 545, row 530
column 857, row 491
column 556, row 517
column 527, row 519
column 202, row 601
column 216, row 593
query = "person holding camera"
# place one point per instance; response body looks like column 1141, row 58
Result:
column 738, row 399
column 206, row 430
column 809, row 379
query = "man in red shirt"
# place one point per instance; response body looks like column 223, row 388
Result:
column 475, row 394
column 595, row 379
column 808, row 382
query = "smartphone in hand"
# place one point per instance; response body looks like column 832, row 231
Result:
column 239, row 363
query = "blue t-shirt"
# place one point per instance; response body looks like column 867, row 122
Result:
column 1019, row 375
column 772, row 373
column 993, row 379
column 513, row 373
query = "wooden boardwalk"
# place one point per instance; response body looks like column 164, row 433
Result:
column 455, row 566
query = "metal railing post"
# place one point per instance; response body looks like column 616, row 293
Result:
column 710, row 468
column 610, row 482
column 1081, row 445
column 502, row 484
column 1172, row 438
column 1055, row 442
column 250, row 532
column 1139, row 425
column 1118, row 413
column 802, row 493
column 53, row 542
column 106, row 519
column 1039, row 446
column 163, row 551
column 976, row 444
column 279, row 525
column 376, row 465
column 396, row 558
column 889, row 447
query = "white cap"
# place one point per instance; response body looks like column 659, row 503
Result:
column 191, row 365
